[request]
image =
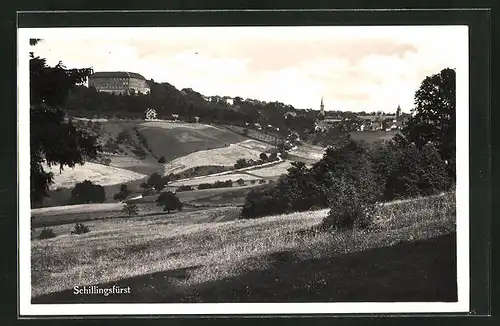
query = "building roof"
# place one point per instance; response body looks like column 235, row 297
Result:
column 116, row 74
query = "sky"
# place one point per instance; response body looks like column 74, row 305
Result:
column 353, row 68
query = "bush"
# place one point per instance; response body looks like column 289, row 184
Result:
column 253, row 181
column 262, row 181
column 169, row 201
column 80, row 229
column 349, row 207
column 241, row 163
column 262, row 202
column 240, row 182
column 47, row 233
column 123, row 194
column 123, row 137
column 184, row 188
column 202, row 186
column 157, row 182
column 263, row 157
column 131, row 209
column 86, row 192
column 162, row 160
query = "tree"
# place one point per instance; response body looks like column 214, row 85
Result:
column 273, row 156
column 169, row 201
column 434, row 177
column 86, row 193
column 157, row 181
column 131, row 209
column 240, row 182
column 123, row 194
column 162, row 160
column 433, row 117
column 53, row 139
column 263, row 157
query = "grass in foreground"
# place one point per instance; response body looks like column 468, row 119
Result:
column 189, row 258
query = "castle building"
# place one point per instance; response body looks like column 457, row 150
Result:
column 118, row 82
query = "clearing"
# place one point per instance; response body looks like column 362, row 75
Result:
column 210, row 256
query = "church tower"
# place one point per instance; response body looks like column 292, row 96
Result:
column 398, row 113
column 322, row 107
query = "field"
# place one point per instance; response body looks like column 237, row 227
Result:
column 309, row 154
column 225, row 156
column 211, row 256
column 272, row 171
column 97, row 173
column 174, row 140
column 372, row 136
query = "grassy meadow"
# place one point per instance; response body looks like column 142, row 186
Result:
column 210, row 255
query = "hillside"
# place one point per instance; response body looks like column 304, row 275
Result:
column 210, row 256
column 224, row 156
column 174, row 140
column 97, row 173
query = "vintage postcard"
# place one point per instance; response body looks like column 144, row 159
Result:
column 243, row 170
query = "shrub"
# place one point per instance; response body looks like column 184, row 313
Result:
column 240, row 182
column 253, row 181
column 131, row 209
column 47, row 233
column 157, row 181
column 349, row 207
column 123, row 194
column 263, row 157
column 262, row 181
column 86, row 192
column 169, row 201
column 202, row 186
column 262, row 202
column 162, row 160
column 80, row 229
column 184, row 188
column 241, row 163
column 123, row 137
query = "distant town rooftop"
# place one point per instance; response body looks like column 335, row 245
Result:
column 116, row 74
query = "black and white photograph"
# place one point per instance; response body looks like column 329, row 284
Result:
column 311, row 169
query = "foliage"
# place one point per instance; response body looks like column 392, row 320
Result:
column 263, row 157
column 123, row 194
column 216, row 184
column 433, row 118
column 156, row 181
column 80, row 229
column 131, row 209
column 162, row 160
column 124, row 137
column 185, row 188
column 47, row 233
column 352, row 200
column 53, row 139
column 240, row 182
column 169, row 201
column 87, row 192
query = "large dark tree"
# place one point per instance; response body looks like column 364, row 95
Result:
column 433, row 117
column 169, row 201
column 87, row 193
column 54, row 140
